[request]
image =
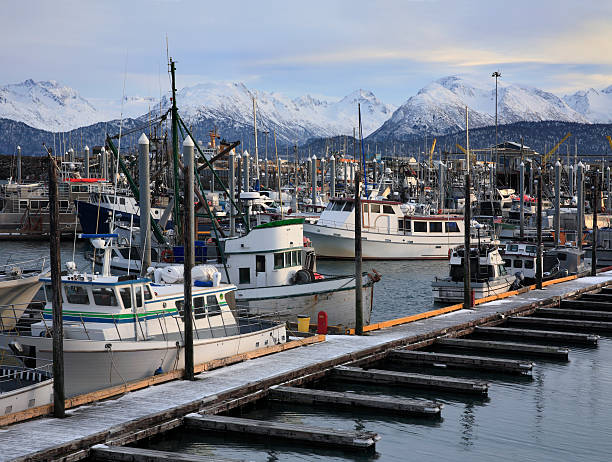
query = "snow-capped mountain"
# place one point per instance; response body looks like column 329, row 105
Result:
column 230, row 105
column 46, row 105
column 440, row 108
column 596, row 105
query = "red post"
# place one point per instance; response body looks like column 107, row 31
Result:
column 322, row 323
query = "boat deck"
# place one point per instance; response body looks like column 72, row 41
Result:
column 47, row 437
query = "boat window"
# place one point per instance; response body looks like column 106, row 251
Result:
column 562, row 256
column 375, row 208
column 513, row 247
column 122, row 200
column 147, row 292
column 104, row 296
column 389, row 209
column 531, row 249
column 400, row 224
column 126, row 296
column 518, row 263
column 180, row 307
column 49, row 292
column 138, row 293
column 63, row 204
column 338, row 206
column 529, row 264
column 278, row 260
column 213, row 305
column 348, row 207
column 260, row 263
column 502, row 270
column 244, row 275
column 407, row 224
column 452, row 227
column 420, row 226
column 508, row 262
column 366, row 208
column 435, row 226
column 199, row 311
column 77, row 294
column 23, row 205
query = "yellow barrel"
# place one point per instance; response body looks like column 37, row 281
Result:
column 303, row 323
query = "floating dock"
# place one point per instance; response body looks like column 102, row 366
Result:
column 156, row 409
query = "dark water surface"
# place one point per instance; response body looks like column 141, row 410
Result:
column 562, row 413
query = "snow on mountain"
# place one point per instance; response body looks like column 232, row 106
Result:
column 46, row 105
column 293, row 119
column 594, row 104
column 440, row 107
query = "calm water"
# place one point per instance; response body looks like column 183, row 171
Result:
column 563, row 413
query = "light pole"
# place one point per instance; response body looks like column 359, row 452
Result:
column 496, row 74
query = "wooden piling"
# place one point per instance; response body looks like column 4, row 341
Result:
column 505, row 347
column 597, row 326
column 566, row 337
column 339, row 438
column 56, row 301
column 429, row 382
column 355, row 400
column 462, row 361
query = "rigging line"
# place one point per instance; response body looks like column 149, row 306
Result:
column 112, row 225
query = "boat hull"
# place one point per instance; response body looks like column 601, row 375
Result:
column 334, row 296
column 15, row 296
column 340, row 244
column 447, row 291
column 91, row 365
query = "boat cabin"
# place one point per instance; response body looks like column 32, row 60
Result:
column 387, row 217
column 271, row 254
column 485, row 263
column 131, row 308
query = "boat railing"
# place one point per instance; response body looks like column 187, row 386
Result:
column 24, row 265
column 14, row 322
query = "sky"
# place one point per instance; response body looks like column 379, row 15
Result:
column 329, row 48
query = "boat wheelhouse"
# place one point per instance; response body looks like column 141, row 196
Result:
column 488, row 275
column 387, row 232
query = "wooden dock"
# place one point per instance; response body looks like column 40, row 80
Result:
column 155, row 409
column 378, row 403
column 505, row 347
column 344, row 439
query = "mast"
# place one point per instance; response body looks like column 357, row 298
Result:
column 175, row 156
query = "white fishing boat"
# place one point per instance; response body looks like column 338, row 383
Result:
column 22, row 388
column 19, row 283
column 123, row 328
column 488, row 275
column 387, row 232
column 274, row 271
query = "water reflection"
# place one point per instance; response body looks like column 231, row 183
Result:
column 467, row 425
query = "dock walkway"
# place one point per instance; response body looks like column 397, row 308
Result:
column 49, row 438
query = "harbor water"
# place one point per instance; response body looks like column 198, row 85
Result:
column 562, row 413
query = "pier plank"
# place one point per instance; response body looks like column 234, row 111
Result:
column 597, row 326
column 576, row 314
column 430, row 382
column 471, row 362
column 327, row 436
column 347, row 399
column 566, row 337
column 589, row 302
column 506, row 347
column 102, row 452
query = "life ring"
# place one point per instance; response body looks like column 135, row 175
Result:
column 167, row 256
